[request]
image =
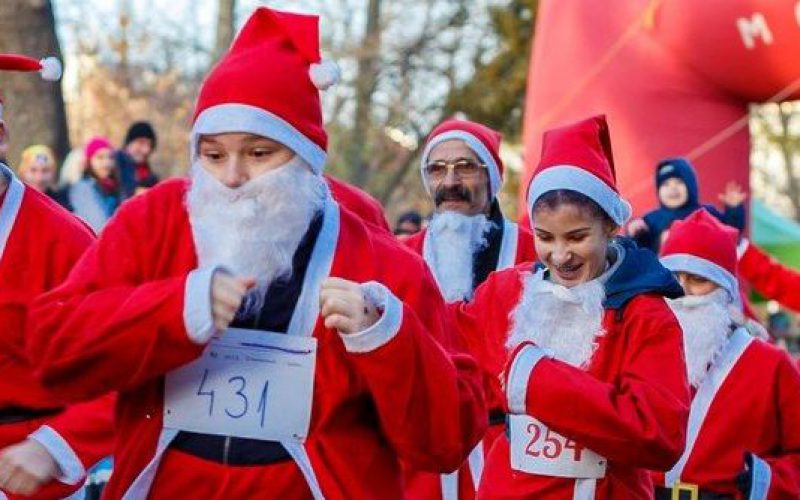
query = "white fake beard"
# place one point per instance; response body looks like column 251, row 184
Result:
column 254, row 230
column 568, row 321
column 454, row 239
column 706, row 323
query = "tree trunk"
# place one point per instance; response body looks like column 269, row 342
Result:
column 34, row 109
column 785, row 145
column 226, row 20
column 366, row 80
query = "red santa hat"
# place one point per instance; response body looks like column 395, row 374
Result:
column 49, row 68
column 268, row 84
column 578, row 157
column 702, row 245
column 482, row 140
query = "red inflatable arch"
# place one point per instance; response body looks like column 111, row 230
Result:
column 674, row 77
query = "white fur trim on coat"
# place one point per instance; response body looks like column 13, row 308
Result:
column 385, row 328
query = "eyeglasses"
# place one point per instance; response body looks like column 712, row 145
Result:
column 463, row 168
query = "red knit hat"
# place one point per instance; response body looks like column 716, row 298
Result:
column 49, row 68
column 578, row 157
column 482, row 140
column 268, row 84
column 702, row 245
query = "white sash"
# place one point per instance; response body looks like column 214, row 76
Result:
column 11, row 205
column 508, row 247
column 736, row 346
column 303, row 322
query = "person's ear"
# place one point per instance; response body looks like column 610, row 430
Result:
column 611, row 229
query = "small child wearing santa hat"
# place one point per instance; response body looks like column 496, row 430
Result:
column 742, row 437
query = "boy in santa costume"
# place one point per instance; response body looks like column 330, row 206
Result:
column 265, row 343
column 743, row 440
column 594, row 379
column 45, row 445
column 467, row 239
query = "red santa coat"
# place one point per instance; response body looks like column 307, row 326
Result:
column 408, row 399
column 629, row 406
column 516, row 247
column 768, row 277
column 39, row 244
column 750, row 405
column 359, row 202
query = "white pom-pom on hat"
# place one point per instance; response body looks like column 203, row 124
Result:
column 325, row 74
column 51, row 69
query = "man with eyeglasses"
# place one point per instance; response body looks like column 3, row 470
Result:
column 467, row 239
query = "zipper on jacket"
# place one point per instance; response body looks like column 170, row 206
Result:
column 226, row 448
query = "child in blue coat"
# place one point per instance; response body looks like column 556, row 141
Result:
column 678, row 195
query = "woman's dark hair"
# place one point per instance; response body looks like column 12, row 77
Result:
column 552, row 199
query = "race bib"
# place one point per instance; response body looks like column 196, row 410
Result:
column 536, row 449
column 247, row 383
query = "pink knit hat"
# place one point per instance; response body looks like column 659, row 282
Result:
column 94, row 145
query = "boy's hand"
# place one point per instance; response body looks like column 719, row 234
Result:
column 637, row 226
column 733, row 196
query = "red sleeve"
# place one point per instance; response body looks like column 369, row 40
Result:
column 641, row 417
column 482, row 326
column 428, row 393
column 361, row 203
column 88, row 428
column 770, row 278
column 107, row 328
column 784, row 465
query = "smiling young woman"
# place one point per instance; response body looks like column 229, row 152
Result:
column 584, row 352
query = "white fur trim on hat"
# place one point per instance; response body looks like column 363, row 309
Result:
column 688, row 263
column 51, row 69
column 475, row 144
column 325, row 74
column 577, row 179
column 243, row 118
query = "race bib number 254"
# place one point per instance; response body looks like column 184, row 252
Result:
column 536, row 449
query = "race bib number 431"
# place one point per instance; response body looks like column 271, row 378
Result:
column 249, row 384
column 536, row 449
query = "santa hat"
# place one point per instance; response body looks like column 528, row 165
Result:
column 49, row 68
column 702, row 245
column 578, row 158
column 268, row 84
column 482, row 140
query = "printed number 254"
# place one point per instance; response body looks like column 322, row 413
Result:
column 553, row 444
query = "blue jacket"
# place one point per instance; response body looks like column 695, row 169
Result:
column 640, row 272
column 662, row 218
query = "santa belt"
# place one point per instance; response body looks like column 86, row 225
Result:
column 686, row 491
column 497, row 417
column 15, row 414
column 228, row 450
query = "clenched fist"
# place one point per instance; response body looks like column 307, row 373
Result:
column 227, row 293
column 25, row 467
column 344, row 306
